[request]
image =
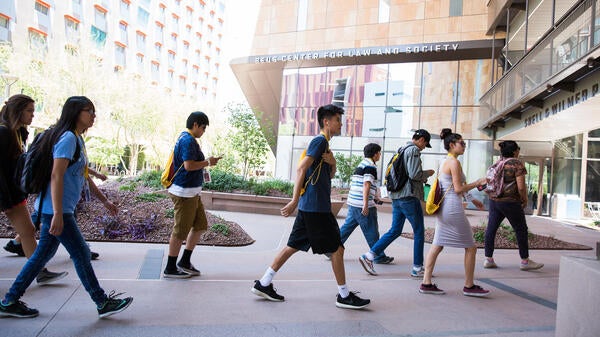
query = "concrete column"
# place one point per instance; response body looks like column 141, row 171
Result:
column 578, row 297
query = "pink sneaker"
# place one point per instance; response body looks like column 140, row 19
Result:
column 475, row 291
column 430, row 289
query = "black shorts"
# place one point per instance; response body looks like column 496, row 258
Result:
column 319, row 231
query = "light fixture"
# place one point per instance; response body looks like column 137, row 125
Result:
column 549, row 87
column 591, row 62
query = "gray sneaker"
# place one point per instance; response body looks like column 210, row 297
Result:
column 45, row 276
column 531, row 265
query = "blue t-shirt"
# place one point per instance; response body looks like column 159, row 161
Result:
column 187, row 148
column 73, row 178
column 317, row 197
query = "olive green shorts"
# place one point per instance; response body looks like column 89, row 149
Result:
column 189, row 215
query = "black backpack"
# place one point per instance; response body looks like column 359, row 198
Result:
column 34, row 167
column 396, row 175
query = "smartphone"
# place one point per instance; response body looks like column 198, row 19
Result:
column 481, row 187
column 378, row 202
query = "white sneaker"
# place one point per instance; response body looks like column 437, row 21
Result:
column 531, row 265
column 487, row 263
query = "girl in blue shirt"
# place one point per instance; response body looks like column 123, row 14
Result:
column 58, row 220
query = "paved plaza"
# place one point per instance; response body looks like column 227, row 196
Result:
column 219, row 302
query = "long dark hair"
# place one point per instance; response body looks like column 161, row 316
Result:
column 67, row 120
column 10, row 116
column 449, row 137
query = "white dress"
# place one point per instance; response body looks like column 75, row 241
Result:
column 452, row 228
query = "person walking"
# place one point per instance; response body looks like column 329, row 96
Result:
column 190, row 218
column 510, row 204
column 362, row 200
column 406, row 204
column 58, row 221
column 315, row 226
column 16, row 115
column 452, row 228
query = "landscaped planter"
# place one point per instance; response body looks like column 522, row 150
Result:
column 234, row 202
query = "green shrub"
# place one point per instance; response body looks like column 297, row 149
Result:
column 479, row 235
column 222, row 181
column 128, row 187
column 170, row 213
column 150, row 179
column 151, row 197
column 220, row 228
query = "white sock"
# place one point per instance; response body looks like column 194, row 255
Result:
column 267, row 277
column 370, row 255
column 343, row 290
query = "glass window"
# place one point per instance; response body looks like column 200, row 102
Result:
column 540, row 20
column 596, row 39
column 4, row 22
column 120, row 56
column 435, row 119
column 439, row 84
column 473, row 81
column 157, row 50
column 124, row 9
column 139, row 58
column 100, row 19
column 98, row 36
column 404, row 84
column 41, row 8
column 567, row 165
column 123, row 32
column 71, row 31
column 312, row 87
column 384, row 11
column 140, row 41
column 562, row 6
column 155, row 71
column 456, row 7
column 516, row 38
column 142, row 17
column 38, row 42
column 158, row 33
column 289, row 87
column 171, row 59
column 302, row 14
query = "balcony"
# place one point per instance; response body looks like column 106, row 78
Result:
column 552, row 64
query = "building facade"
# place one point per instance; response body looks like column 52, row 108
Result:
column 396, row 66
column 174, row 44
column 546, row 88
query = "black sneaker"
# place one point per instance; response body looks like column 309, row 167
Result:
column 17, row 309
column 177, row 273
column 11, row 247
column 94, row 255
column 351, row 301
column 114, row 305
column 45, row 276
column 267, row 292
column 189, row 269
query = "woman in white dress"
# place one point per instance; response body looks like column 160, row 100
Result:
column 452, row 227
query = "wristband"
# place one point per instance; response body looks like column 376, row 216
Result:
column 468, row 197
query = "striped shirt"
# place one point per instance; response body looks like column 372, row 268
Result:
column 365, row 171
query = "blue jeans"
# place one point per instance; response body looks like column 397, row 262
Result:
column 402, row 209
column 368, row 224
column 74, row 243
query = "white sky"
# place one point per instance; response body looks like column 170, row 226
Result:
column 240, row 24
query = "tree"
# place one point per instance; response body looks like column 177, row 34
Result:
column 247, row 139
column 345, row 167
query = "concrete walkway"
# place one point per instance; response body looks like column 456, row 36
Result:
column 219, row 302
